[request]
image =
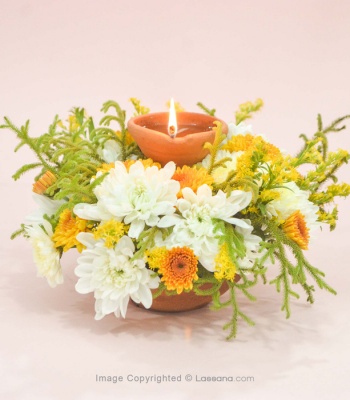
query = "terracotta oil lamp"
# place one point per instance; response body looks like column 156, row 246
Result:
column 180, row 137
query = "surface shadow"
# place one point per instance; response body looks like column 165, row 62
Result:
column 76, row 311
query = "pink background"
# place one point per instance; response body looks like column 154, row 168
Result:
column 56, row 55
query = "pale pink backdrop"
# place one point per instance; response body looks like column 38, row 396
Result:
column 56, row 55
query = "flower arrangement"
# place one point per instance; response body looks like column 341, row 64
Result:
column 144, row 230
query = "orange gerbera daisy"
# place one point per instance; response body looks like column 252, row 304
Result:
column 192, row 177
column 67, row 229
column 296, row 229
column 44, row 182
column 179, row 269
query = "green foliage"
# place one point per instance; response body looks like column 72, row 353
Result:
column 19, row 232
column 161, row 288
column 146, row 241
column 71, row 151
column 291, row 272
column 232, row 302
column 206, row 109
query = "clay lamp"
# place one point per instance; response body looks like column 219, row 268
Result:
column 180, row 137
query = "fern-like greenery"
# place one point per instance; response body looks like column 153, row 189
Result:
column 71, row 151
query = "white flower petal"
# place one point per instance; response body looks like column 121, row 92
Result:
column 87, row 239
column 136, row 228
column 92, row 212
column 168, row 220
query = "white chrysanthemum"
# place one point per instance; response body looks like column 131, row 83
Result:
column 195, row 228
column 46, row 206
column 113, row 275
column 293, row 199
column 252, row 245
column 220, row 174
column 240, row 129
column 111, row 151
column 139, row 196
column 46, row 256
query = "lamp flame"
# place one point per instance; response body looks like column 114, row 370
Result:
column 172, row 124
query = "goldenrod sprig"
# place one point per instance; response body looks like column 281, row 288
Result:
column 139, row 109
column 214, row 148
column 246, row 110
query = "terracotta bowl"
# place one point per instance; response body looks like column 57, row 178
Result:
column 194, row 129
column 184, row 301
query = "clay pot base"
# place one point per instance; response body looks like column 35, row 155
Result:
column 186, row 301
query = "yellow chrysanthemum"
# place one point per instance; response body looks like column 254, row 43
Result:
column 111, row 232
column 224, row 267
column 156, row 257
column 44, row 182
column 192, row 177
column 179, row 269
column 106, row 167
column 148, row 162
column 67, row 230
column 296, row 229
column 128, row 163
